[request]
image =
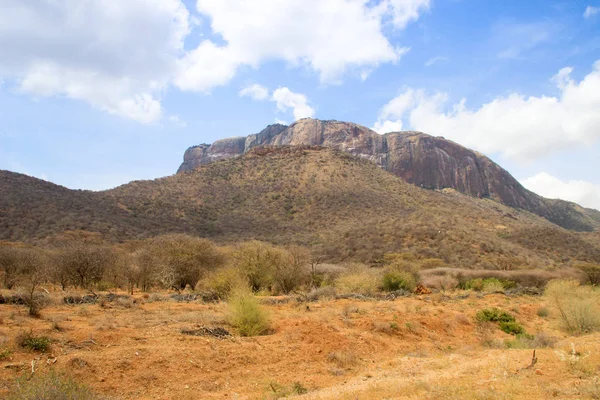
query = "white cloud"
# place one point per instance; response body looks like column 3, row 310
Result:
column 177, row 121
column 387, row 126
column 286, row 99
column 584, row 193
column 330, row 37
column 520, row 127
column 435, row 60
column 590, row 11
column 404, row 11
column 115, row 55
column 255, row 91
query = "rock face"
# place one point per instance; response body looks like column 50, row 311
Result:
column 418, row 158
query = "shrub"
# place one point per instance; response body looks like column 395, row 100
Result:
column 591, row 271
column 4, row 354
column 395, row 280
column 178, row 260
column 343, row 359
column 577, row 305
column 494, row 315
column 222, row 282
column 487, row 285
column 246, row 314
column 359, row 279
column 258, row 262
column 543, row 312
column 526, row 341
column 319, row 293
column 50, row 386
column 35, row 343
column 36, row 302
column 512, row 328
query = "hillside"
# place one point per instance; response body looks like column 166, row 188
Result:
column 426, row 161
column 341, row 206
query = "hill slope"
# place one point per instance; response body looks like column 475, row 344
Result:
column 418, row 158
column 341, row 206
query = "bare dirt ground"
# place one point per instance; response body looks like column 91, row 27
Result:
column 422, row 347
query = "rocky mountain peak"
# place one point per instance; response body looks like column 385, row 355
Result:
column 426, row 161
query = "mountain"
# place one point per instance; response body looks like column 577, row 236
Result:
column 426, row 161
column 342, row 207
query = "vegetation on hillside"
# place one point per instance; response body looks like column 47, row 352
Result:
column 339, row 207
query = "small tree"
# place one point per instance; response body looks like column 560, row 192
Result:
column 32, row 264
column 84, row 264
column 178, row 260
column 592, row 271
column 290, row 268
column 257, row 262
column 9, row 266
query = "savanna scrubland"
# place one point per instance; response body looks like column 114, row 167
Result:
column 177, row 316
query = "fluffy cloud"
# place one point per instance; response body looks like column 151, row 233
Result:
column 590, row 11
column 119, row 56
column 116, row 55
column 255, row 91
column 330, row 37
column 584, row 193
column 283, row 97
column 520, row 127
column 298, row 103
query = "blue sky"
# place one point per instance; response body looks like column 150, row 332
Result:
column 96, row 93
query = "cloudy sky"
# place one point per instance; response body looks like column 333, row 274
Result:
column 95, row 93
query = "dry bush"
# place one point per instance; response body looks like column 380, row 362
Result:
column 591, row 271
column 246, row 314
column 83, row 264
column 524, row 278
column 343, row 359
column 291, row 271
column 222, row 282
column 177, row 260
column 320, row 293
column 49, row 386
column 445, row 282
column 578, row 306
column 359, row 279
column 257, row 261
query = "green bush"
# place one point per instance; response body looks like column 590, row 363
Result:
column 246, row 314
column 222, row 282
column 578, row 306
column 494, row 315
column 50, row 386
column 35, row 343
column 4, row 354
column 487, row 285
column 512, row 328
column 396, row 280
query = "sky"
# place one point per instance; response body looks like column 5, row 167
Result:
column 96, row 93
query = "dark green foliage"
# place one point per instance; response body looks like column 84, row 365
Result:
column 494, row 315
column 395, row 280
column 512, row 328
column 36, row 343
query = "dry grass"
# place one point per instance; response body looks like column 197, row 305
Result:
column 577, row 306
